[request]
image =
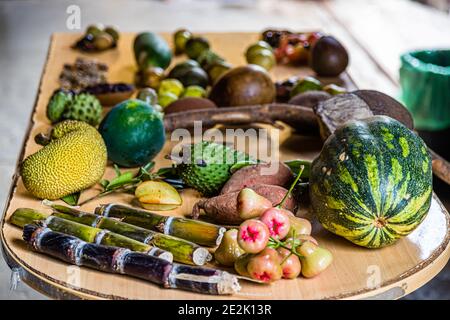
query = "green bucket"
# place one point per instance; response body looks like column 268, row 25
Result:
column 425, row 82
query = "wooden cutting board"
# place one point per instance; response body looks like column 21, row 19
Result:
column 355, row 273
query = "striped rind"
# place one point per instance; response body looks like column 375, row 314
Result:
column 372, row 182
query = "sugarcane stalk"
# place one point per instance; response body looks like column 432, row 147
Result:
column 183, row 251
column 124, row 261
column 199, row 232
column 24, row 216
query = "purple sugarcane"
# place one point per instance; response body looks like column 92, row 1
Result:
column 124, row 261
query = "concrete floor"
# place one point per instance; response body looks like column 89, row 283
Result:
column 25, row 28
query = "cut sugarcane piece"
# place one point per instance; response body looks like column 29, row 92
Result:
column 200, row 232
column 24, row 216
column 124, row 261
column 183, row 251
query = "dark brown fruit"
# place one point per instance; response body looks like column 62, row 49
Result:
column 247, row 85
column 328, row 57
column 309, row 98
column 186, row 104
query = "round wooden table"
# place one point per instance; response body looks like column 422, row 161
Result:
column 356, row 273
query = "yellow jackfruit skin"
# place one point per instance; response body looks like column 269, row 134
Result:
column 72, row 162
column 64, row 127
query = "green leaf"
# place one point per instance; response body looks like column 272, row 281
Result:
column 123, row 179
column 104, row 183
column 294, row 165
column 148, row 167
column 117, row 170
column 168, row 172
column 72, row 199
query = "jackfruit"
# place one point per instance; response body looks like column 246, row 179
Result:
column 74, row 160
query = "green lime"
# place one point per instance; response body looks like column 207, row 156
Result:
column 95, row 29
column 149, row 77
column 207, row 58
column 217, row 69
column 166, row 98
column 113, row 32
column 103, row 41
column 195, row 46
column 260, row 45
column 171, row 85
column 306, row 84
column 263, row 57
column 195, row 92
column 180, row 38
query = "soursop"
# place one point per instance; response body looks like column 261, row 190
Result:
column 84, row 107
column 205, row 166
column 57, row 104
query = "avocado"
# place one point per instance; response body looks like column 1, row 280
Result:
column 74, row 160
column 195, row 47
column 329, row 58
column 246, row 85
column 181, row 68
column 150, row 50
column 189, row 73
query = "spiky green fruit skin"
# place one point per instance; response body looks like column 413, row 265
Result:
column 84, row 107
column 207, row 166
column 372, row 182
column 57, row 105
column 73, row 161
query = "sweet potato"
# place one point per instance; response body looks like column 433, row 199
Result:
column 223, row 208
column 254, row 174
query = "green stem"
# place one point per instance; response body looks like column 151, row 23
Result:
column 106, row 192
column 292, row 249
column 302, row 167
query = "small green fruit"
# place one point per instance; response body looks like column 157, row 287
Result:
column 264, row 58
column 113, row 32
column 179, row 39
column 166, row 98
column 173, row 86
column 57, row 104
column 254, row 48
column 314, row 259
column 95, row 29
column 195, row 47
column 194, row 92
column 306, row 84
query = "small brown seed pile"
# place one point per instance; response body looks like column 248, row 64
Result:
column 82, row 74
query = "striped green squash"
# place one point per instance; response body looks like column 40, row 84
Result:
column 372, row 182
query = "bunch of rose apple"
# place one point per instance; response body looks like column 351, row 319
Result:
column 272, row 243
